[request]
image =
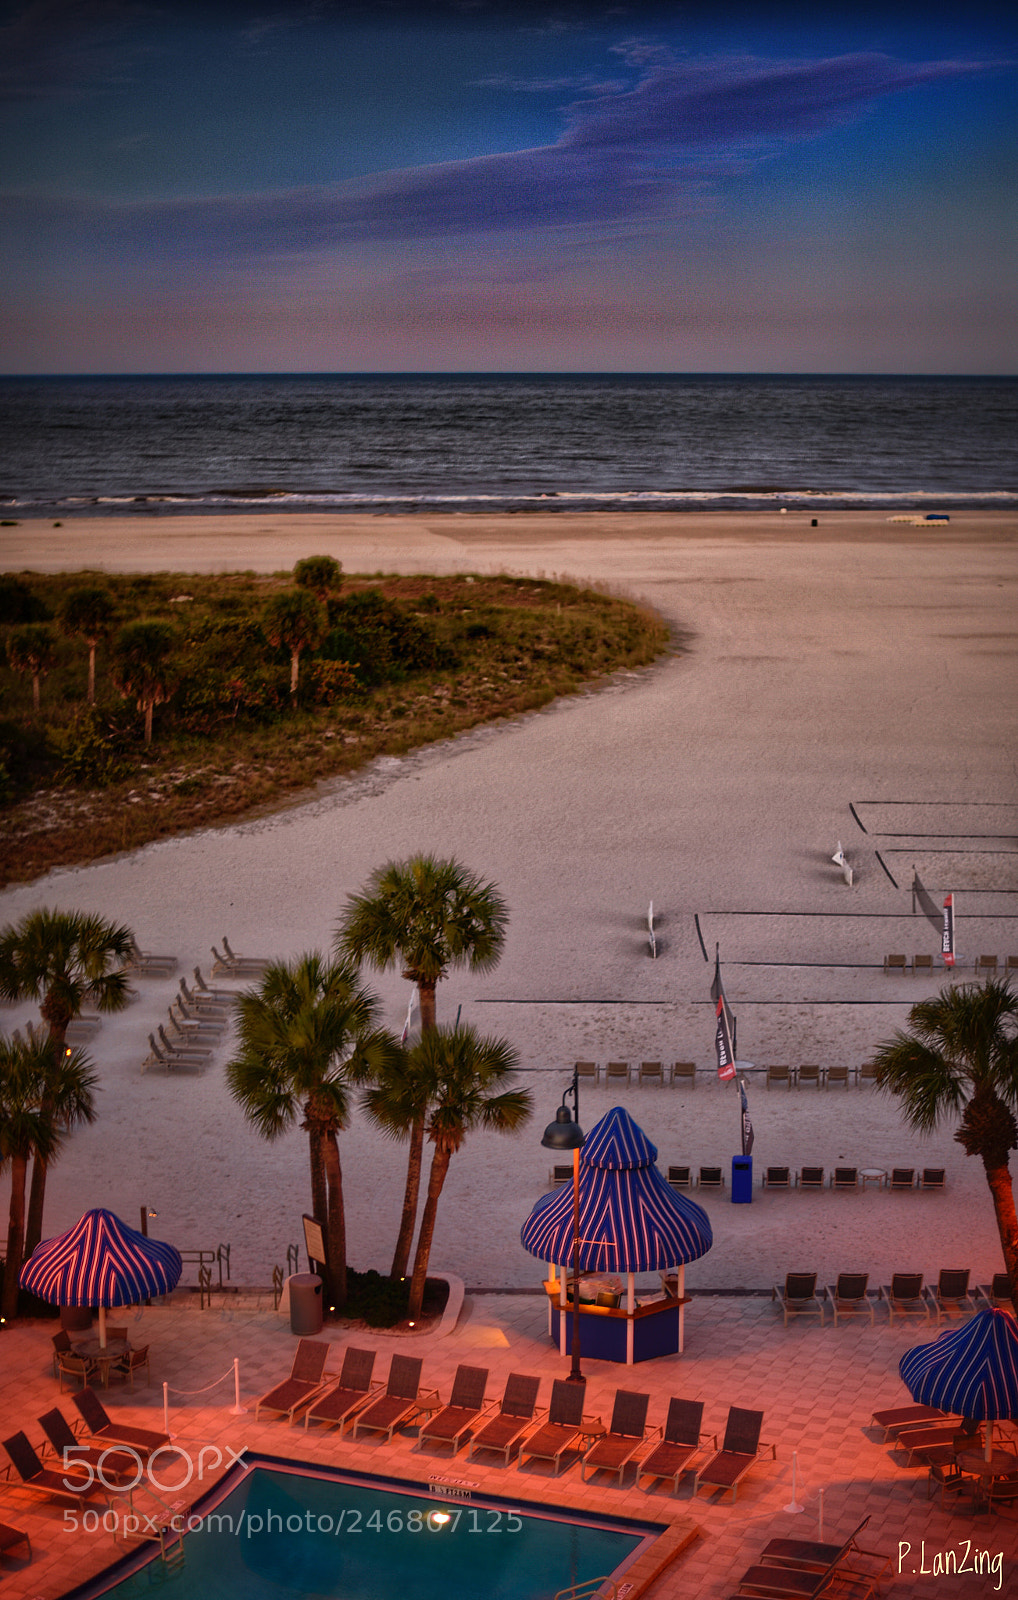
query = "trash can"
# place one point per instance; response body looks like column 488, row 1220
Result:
column 305, row 1303
column 742, row 1180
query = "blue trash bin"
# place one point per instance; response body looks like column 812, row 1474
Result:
column 742, row 1180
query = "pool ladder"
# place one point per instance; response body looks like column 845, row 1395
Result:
column 590, row 1589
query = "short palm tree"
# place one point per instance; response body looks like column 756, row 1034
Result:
column 141, row 665
column 425, row 916
column 960, row 1057
column 306, row 1033
column 296, row 620
column 87, row 613
column 32, row 649
column 323, row 575
column 66, row 960
column 466, row 1077
column 41, row 1097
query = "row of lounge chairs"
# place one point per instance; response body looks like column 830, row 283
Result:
column 197, row 1019
column 660, row 1072
column 935, row 1440
column 803, row 1569
column 905, row 1296
column 983, row 966
column 62, row 1485
column 354, row 1402
column 805, row 1178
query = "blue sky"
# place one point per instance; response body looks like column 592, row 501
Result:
column 482, row 186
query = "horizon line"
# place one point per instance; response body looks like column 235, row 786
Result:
column 500, row 374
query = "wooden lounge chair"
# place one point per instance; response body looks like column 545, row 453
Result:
column 305, row 1380
column 145, row 1440
column 895, row 963
column 845, row 1178
column 866, row 1073
column 118, row 1466
column 798, row 1296
column 586, row 1069
column 680, row 1177
column 681, row 1440
column 651, row 1072
column 899, row 1417
column 810, row 1178
column 684, row 1072
column 809, row 1072
column 711, row 1178
column 10, row 1538
column 849, row 1297
column 338, row 1404
column 740, row 1448
column 466, row 1403
column 998, row 1292
column 394, row 1408
column 511, row 1421
column 46, row 1482
column 986, row 966
column 614, row 1451
column 921, row 963
column 902, row 1178
column 836, row 1075
column 564, row 1426
column 951, row 1293
column 616, row 1072
column 932, row 1178
column 904, row 1296
column 780, row 1074
column 776, row 1178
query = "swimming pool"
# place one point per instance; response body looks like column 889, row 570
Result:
column 279, row 1529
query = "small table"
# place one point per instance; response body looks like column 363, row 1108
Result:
column 875, row 1175
column 592, row 1429
column 1000, row 1464
column 104, row 1356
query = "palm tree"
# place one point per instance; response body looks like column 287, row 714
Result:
column 32, row 649
column 306, row 1033
column 88, row 613
column 38, row 1104
column 296, row 620
column 66, row 959
column 141, row 666
column 425, row 916
column 465, row 1075
column 321, row 574
column 961, row 1056
column 397, row 1102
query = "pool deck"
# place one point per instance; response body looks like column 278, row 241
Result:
column 817, row 1387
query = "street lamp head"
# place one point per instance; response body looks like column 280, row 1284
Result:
column 563, row 1133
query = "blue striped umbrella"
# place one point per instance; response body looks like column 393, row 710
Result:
column 972, row 1370
column 101, row 1262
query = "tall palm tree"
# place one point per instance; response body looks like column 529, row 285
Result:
column 397, row 1102
column 425, row 916
column 65, row 959
column 306, row 1033
column 32, row 649
column 141, row 665
column 38, row 1104
column 960, row 1056
column 87, row 613
column 296, row 620
column 466, row 1076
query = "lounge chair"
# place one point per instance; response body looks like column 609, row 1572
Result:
column 904, row 1296
column 236, row 966
column 680, row 1177
column 932, row 1178
column 120, row 1467
column 188, row 1034
column 560, row 1175
column 586, row 1069
column 205, row 1003
column 305, row 1380
column 986, row 965
column 740, row 1448
column 466, row 1403
column 798, row 1296
column 836, row 1075
column 616, row 1072
column 10, row 1538
column 145, row 1440
column 711, row 1178
column 899, row 1417
column 615, row 1449
column 867, row 1073
column 681, row 1440
column 564, row 1426
column 226, row 998
column 779, row 1074
column 810, row 1554
column 810, row 1178
column 684, row 1072
column 47, row 1483
column 895, row 963
column 849, row 1297
column 511, row 1421
column 174, row 1061
column 799, row 1583
column 776, row 1178
column 951, row 1293
column 148, row 964
column 810, row 1072
column 845, row 1178
column 179, row 1048
column 338, row 1404
column 902, row 1178
column 651, row 1072
column 937, row 1443
column 998, row 1292
column 921, row 963
column 398, row 1404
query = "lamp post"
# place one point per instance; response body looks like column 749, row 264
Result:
column 565, row 1133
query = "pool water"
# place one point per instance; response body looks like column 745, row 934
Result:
column 288, row 1533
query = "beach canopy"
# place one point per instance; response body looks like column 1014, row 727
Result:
column 101, row 1262
column 630, row 1219
column 971, row 1370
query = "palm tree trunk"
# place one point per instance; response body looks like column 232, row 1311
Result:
column 319, row 1190
column 58, row 1024
column 408, row 1221
column 150, row 706
column 999, row 1179
column 35, row 690
column 336, row 1233
column 294, row 670
column 427, row 995
column 91, row 674
column 436, row 1178
column 15, row 1238
column 36, row 1204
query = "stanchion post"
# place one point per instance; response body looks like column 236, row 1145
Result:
column 237, row 1410
column 166, row 1412
column 793, row 1504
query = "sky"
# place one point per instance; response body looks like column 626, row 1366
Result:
column 475, row 186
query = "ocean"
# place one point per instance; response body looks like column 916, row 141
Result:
column 490, row 443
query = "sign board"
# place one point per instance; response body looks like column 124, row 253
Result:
column 314, row 1240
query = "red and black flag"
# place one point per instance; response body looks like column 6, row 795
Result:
column 747, row 1126
column 947, row 938
column 723, row 1041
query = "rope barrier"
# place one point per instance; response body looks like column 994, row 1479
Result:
column 236, row 1410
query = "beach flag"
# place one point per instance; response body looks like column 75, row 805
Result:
column 650, row 929
column 409, row 1014
column 840, row 860
column 723, row 1033
column 747, row 1126
column 930, row 910
column 947, row 939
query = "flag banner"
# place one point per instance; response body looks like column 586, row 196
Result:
column 947, row 941
column 717, row 991
column 723, row 1041
column 650, row 930
column 839, row 856
column 747, row 1126
column 925, row 902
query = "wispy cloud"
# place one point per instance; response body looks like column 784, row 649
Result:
column 58, row 49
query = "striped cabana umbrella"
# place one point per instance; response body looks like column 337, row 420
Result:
column 101, row 1262
column 631, row 1220
column 972, row 1370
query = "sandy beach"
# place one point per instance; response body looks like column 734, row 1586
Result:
column 856, row 676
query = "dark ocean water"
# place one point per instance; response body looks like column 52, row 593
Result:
column 423, row 443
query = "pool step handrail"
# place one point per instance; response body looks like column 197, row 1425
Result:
column 590, row 1589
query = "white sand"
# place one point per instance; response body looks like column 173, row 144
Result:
column 862, row 662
